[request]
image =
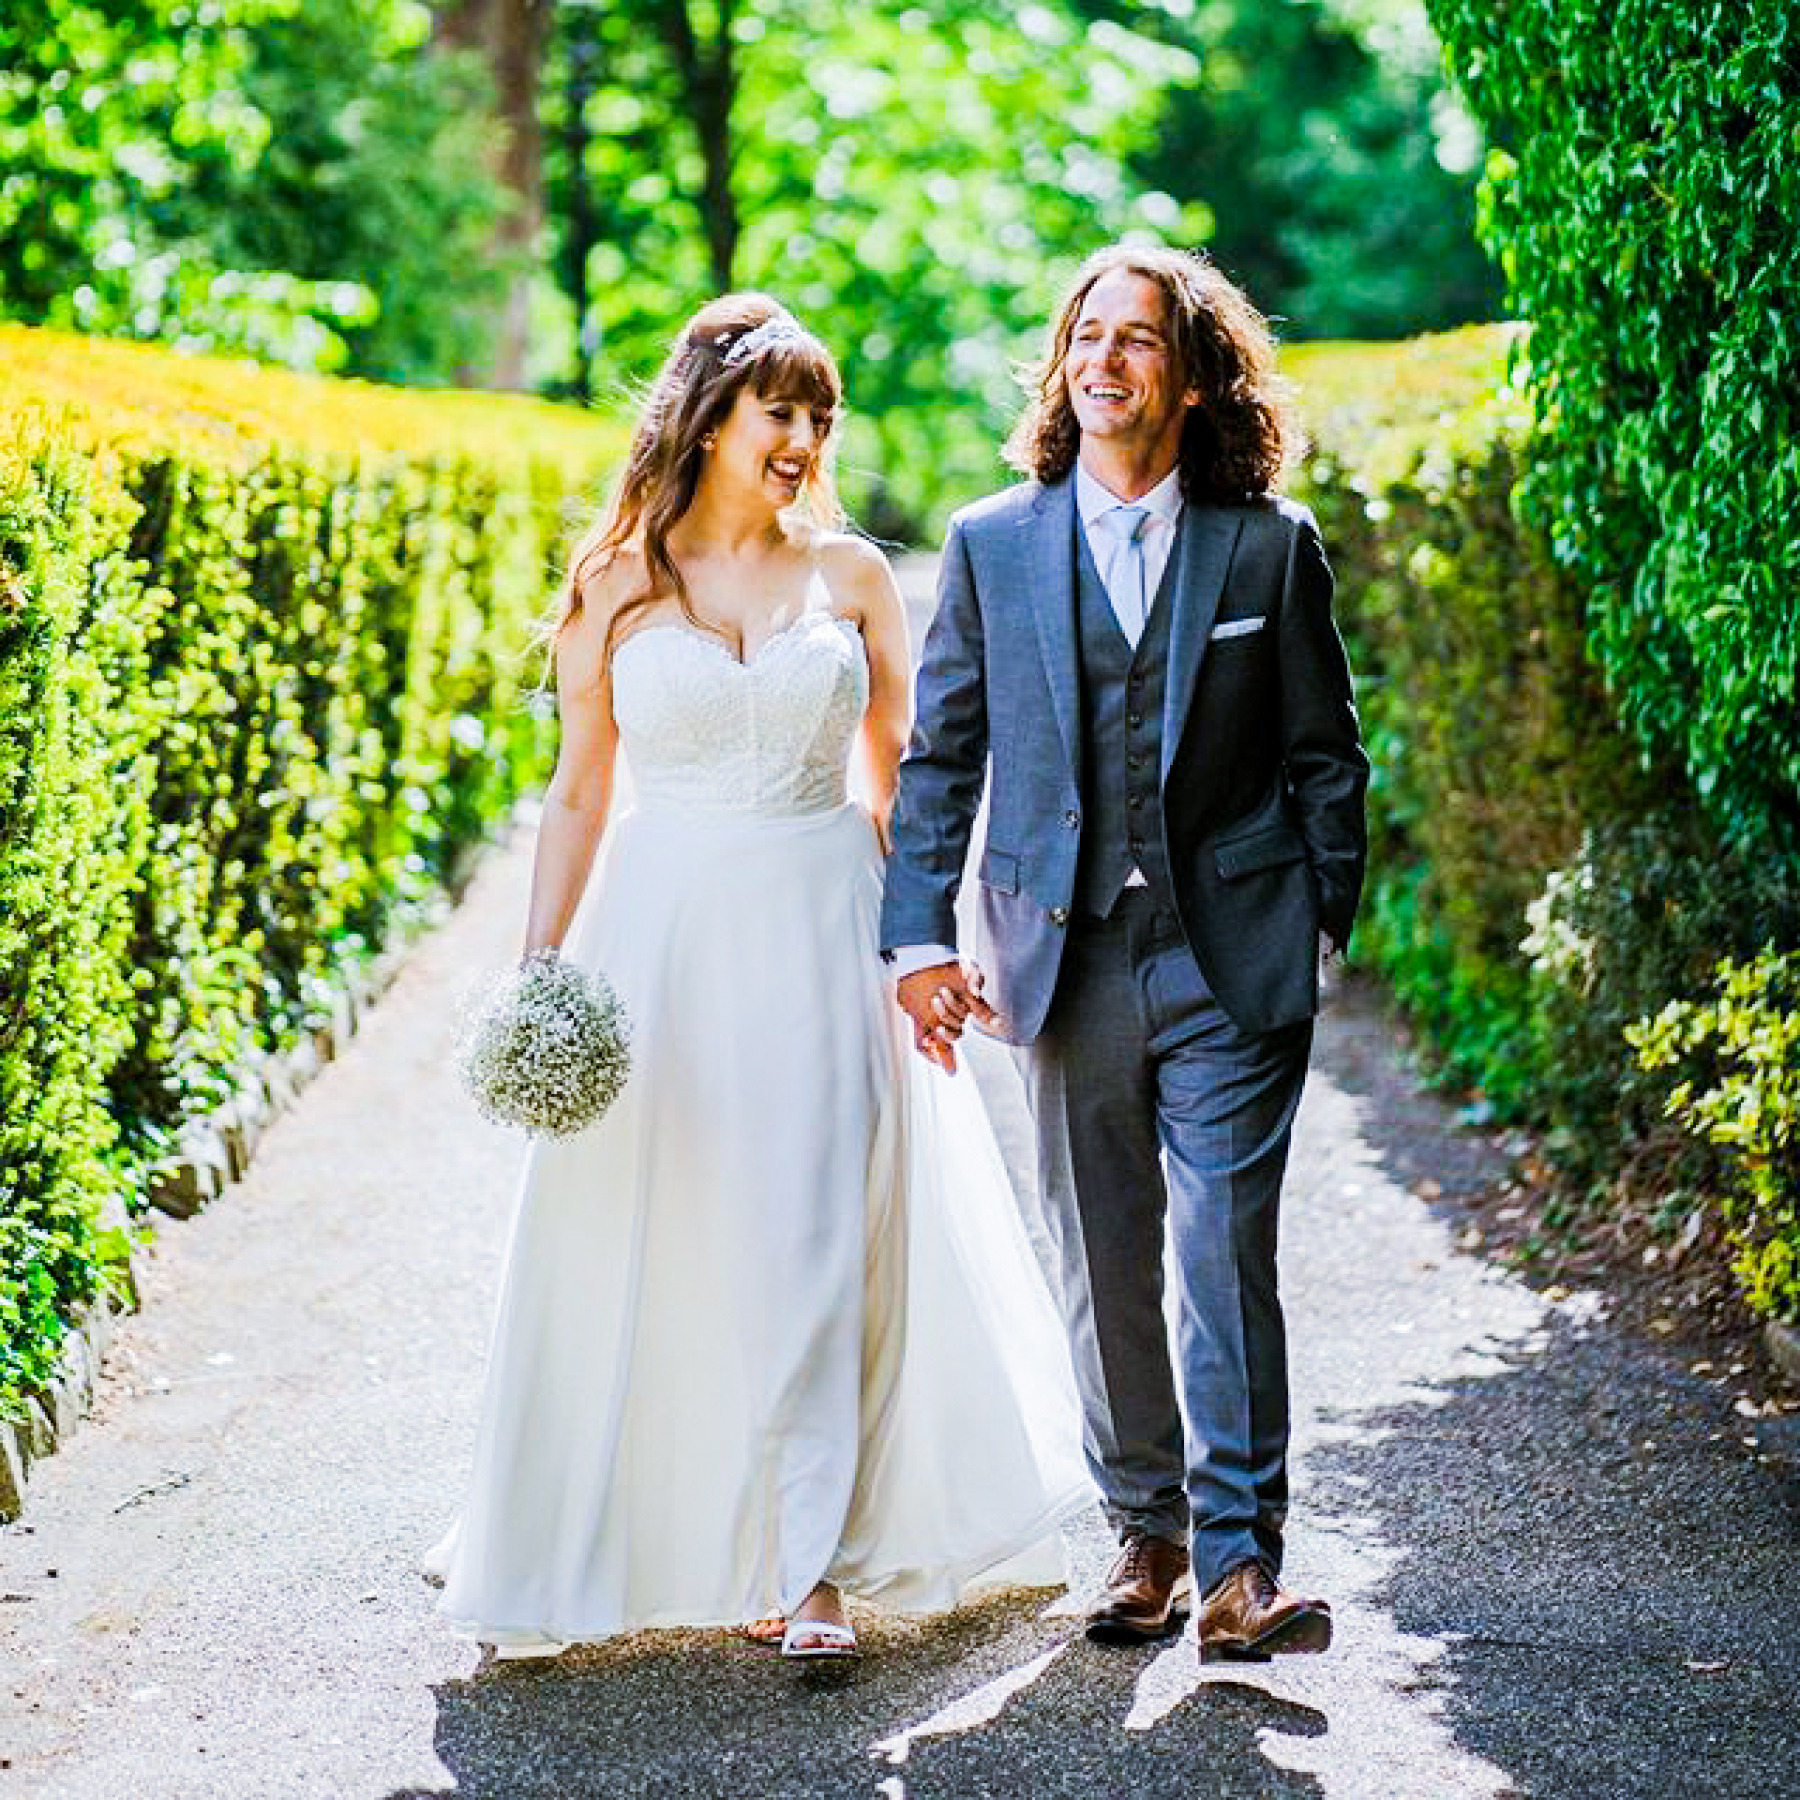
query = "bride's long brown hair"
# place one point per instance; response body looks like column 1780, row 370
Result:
column 692, row 394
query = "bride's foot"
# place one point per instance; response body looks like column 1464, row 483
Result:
column 522, row 1646
column 818, row 1627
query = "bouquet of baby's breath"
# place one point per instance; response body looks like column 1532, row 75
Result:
column 545, row 1047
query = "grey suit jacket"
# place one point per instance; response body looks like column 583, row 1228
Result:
column 1263, row 771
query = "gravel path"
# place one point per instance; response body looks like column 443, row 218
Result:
column 1559, row 1568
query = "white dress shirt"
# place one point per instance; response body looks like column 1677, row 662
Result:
column 1108, row 533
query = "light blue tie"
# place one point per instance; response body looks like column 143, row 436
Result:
column 1129, row 588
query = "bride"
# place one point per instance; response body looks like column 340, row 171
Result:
column 770, row 1332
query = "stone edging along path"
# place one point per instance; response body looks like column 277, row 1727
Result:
column 1783, row 1342
column 213, row 1153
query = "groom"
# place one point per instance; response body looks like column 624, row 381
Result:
column 1137, row 645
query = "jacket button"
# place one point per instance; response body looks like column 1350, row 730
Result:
column 1059, row 915
column 1071, row 818
column 1134, row 801
column 1134, row 720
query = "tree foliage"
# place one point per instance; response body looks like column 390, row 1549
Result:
column 373, row 173
column 915, row 181
column 298, row 179
column 1644, row 202
column 1335, row 165
column 919, row 179
column 354, row 184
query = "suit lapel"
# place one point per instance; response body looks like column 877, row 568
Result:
column 1208, row 536
column 1050, row 570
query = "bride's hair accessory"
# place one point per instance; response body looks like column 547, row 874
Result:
column 777, row 328
column 544, row 1047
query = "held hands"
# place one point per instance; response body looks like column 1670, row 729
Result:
column 1331, row 966
column 940, row 1001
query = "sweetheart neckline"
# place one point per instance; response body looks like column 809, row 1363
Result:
column 756, row 655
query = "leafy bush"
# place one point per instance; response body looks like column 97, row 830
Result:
column 1641, row 918
column 261, row 650
column 1491, row 740
column 1561, row 914
column 304, row 181
column 1738, row 1058
column 66, row 855
column 1645, row 213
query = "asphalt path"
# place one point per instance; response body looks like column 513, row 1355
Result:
column 1562, row 1566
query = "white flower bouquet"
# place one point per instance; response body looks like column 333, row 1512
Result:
column 545, row 1047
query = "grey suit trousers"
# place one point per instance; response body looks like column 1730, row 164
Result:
column 1154, row 1111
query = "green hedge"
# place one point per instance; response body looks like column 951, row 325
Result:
column 1487, row 728
column 1645, row 205
column 1541, row 888
column 263, row 641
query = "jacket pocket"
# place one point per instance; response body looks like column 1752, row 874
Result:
column 1000, row 870
column 1269, row 848
column 1238, row 628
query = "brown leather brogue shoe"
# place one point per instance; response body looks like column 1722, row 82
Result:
column 1146, row 1594
column 1250, row 1616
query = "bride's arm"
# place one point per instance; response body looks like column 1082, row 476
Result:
column 869, row 594
column 576, row 801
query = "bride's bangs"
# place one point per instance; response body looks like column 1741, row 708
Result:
column 799, row 369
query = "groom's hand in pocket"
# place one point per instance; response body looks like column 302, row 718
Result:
column 940, row 1001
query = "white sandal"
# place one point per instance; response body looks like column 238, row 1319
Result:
column 807, row 1638
column 523, row 1647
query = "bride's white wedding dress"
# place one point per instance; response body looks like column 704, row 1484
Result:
column 774, row 1319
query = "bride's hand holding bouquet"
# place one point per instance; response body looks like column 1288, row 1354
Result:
column 544, row 1047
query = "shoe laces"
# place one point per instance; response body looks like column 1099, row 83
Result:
column 1135, row 1561
column 1262, row 1584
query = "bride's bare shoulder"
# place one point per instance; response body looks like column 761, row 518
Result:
column 855, row 570
column 608, row 581
column 586, row 631
column 847, row 550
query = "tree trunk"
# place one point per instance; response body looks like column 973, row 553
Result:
column 709, row 82
column 510, row 36
column 582, row 228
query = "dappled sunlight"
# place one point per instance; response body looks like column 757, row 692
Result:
column 973, row 1710
column 1362, row 1720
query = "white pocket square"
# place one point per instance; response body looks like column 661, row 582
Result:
column 1239, row 627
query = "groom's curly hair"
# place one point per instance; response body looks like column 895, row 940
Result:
column 1237, row 440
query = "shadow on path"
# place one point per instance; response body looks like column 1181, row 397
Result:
column 1612, row 1573
column 993, row 1699
column 1607, row 1553
column 1563, row 1575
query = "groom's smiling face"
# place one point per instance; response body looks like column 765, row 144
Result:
column 1120, row 369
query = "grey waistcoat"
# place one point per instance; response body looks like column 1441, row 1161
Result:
column 1121, row 739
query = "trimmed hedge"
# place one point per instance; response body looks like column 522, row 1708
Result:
column 1487, row 727
column 1541, row 889
column 263, row 641
column 1645, row 205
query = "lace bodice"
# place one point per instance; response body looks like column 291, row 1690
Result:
column 772, row 734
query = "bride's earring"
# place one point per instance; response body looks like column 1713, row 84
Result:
column 710, row 441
